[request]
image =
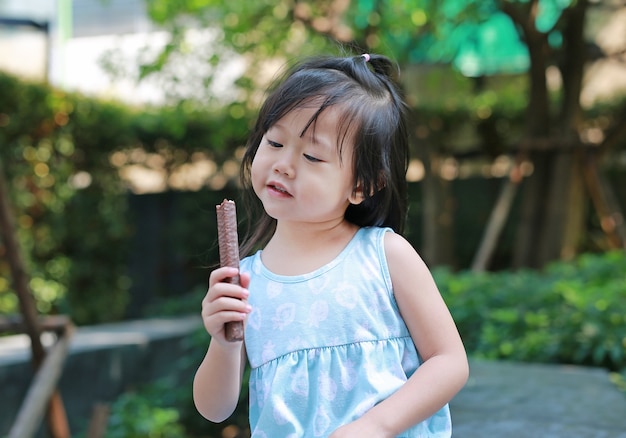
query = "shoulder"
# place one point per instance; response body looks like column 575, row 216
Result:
column 397, row 247
column 392, row 246
column 403, row 260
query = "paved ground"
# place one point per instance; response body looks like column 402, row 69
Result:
column 538, row 401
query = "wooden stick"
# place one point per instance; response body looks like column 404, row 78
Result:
column 497, row 219
column 41, row 390
column 99, row 420
column 610, row 217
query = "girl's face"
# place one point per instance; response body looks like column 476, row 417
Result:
column 303, row 178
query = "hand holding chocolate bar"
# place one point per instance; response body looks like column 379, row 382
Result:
column 228, row 242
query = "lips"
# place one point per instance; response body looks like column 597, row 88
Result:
column 278, row 188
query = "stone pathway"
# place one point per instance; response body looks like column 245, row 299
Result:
column 516, row 400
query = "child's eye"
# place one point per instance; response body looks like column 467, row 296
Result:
column 311, row 158
column 274, row 144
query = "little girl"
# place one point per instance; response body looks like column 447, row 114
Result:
column 346, row 333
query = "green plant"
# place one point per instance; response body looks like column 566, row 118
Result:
column 61, row 155
column 571, row 312
column 136, row 416
column 165, row 408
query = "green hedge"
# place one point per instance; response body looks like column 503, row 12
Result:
column 47, row 145
column 572, row 312
column 70, row 204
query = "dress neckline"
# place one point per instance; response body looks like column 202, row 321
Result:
column 315, row 273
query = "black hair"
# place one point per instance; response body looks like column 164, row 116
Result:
column 373, row 112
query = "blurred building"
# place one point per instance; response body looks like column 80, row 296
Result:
column 66, row 41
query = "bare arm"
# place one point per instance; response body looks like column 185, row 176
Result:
column 444, row 370
column 217, row 382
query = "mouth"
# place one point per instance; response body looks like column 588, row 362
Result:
column 278, row 189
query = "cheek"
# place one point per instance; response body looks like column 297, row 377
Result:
column 346, row 180
column 256, row 173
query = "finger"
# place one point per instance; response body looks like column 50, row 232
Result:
column 216, row 326
column 219, row 319
column 226, row 290
column 220, row 275
column 214, row 322
column 219, row 284
column 244, row 279
column 225, row 304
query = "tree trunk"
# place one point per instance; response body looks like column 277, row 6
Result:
column 537, row 122
column 563, row 215
column 532, row 211
column 438, row 222
column 437, row 219
column 552, row 217
column 437, row 246
column 576, row 211
column 57, row 418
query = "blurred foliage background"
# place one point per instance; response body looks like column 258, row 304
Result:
column 71, row 206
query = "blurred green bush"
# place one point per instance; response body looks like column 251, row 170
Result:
column 69, row 202
column 571, row 312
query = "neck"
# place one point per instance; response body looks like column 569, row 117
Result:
column 301, row 248
column 296, row 234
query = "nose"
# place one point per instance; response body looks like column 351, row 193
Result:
column 285, row 164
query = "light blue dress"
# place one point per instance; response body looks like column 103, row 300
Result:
column 325, row 347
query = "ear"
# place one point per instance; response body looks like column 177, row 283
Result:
column 357, row 195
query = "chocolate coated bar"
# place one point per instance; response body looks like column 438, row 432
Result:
column 228, row 242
